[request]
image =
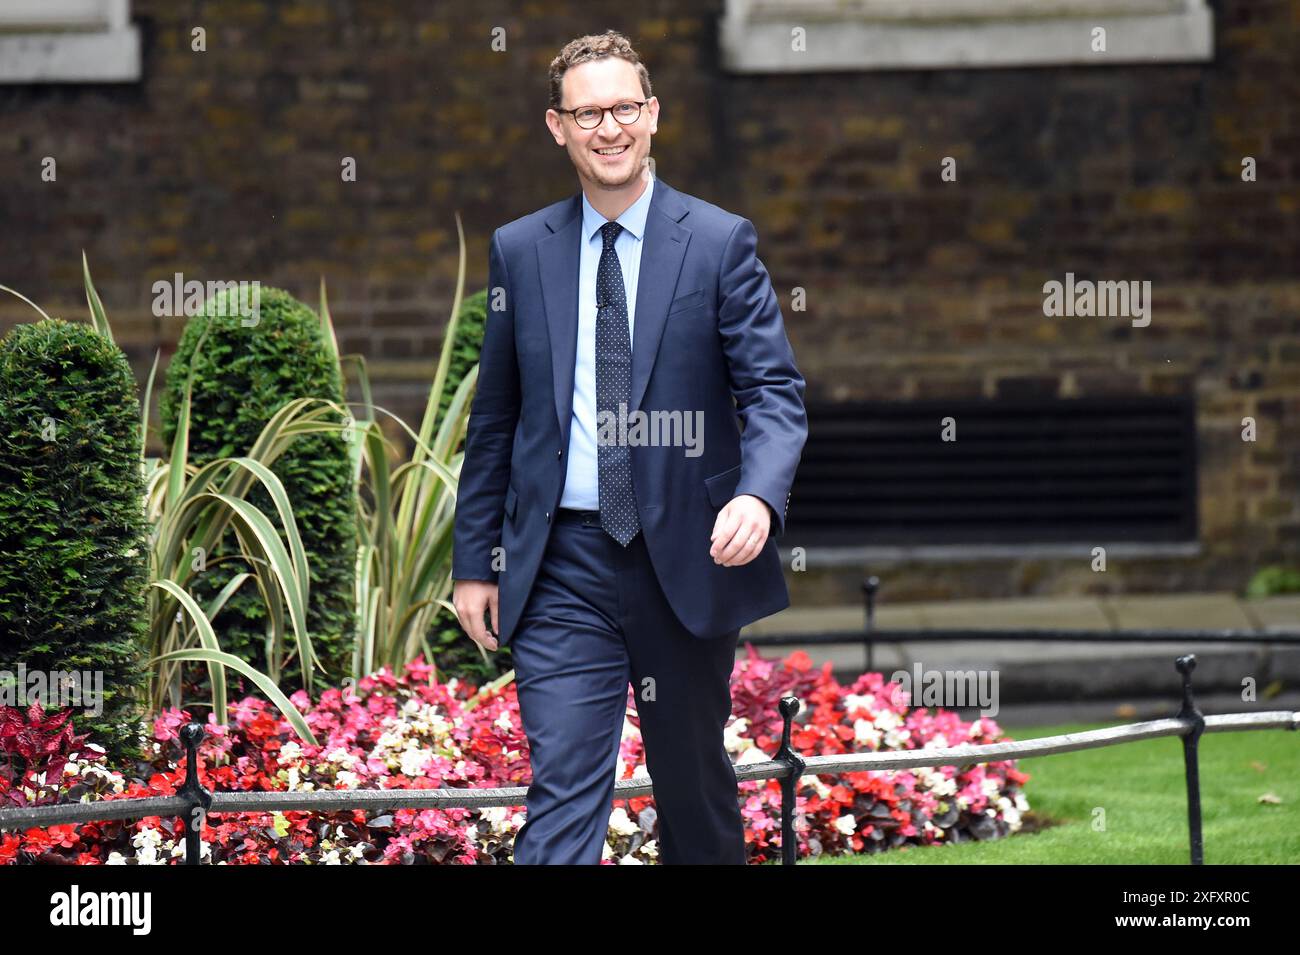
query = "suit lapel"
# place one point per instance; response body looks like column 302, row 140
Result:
column 558, row 257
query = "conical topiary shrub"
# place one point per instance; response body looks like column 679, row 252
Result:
column 73, row 549
column 243, row 372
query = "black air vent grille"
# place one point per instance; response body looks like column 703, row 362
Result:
column 1046, row 470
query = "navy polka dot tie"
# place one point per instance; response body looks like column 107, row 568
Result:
column 613, row 386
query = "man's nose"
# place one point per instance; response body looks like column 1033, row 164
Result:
column 609, row 126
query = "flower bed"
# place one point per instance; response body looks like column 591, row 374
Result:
column 398, row 732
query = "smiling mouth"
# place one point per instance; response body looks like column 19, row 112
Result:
column 611, row 151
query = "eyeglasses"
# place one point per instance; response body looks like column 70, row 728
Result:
column 589, row 117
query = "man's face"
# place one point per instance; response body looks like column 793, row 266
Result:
column 604, row 82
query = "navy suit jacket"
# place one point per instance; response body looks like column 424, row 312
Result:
column 708, row 338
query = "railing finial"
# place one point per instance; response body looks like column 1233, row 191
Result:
column 789, row 707
column 199, row 798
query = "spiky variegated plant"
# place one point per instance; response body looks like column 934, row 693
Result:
column 407, row 510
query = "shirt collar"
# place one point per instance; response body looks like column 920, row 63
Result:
column 632, row 219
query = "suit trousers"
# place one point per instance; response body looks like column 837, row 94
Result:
column 597, row 618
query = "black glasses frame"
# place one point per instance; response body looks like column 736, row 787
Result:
column 640, row 105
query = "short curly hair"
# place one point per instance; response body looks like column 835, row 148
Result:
column 595, row 46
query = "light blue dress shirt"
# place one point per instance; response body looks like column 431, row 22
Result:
column 581, row 484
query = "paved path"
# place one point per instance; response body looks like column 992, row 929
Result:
column 1070, row 677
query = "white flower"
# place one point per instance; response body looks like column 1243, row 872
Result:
column 147, row 836
column 413, row 761
column 887, row 719
column 503, row 723
column 115, row 858
column 348, row 780
column 1009, row 812
column 752, row 755
column 621, row 824
column 856, row 701
column 630, row 859
column 341, row 757
column 330, row 858
column 289, row 752
column 865, row 733
column 846, row 824
column 944, row 786
column 177, row 849
column 938, row 741
column 733, row 738
column 895, row 738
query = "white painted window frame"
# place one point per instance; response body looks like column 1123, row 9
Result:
column 68, row 41
column 848, row 35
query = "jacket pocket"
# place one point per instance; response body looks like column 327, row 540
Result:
column 689, row 300
column 722, row 486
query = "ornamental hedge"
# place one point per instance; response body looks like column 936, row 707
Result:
column 73, row 536
column 243, row 372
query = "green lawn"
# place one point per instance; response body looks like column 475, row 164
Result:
column 1141, row 788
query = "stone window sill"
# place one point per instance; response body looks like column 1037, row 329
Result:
column 68, row 41
column 759, row 36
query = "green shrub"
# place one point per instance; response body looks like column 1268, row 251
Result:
column 73, row 546
column 1275, row 579
column 242, row 374
column 466, row 346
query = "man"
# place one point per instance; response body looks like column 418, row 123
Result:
column 602, row 554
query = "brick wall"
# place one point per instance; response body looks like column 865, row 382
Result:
column 225, row 165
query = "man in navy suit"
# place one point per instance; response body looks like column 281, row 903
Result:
column 636, row 428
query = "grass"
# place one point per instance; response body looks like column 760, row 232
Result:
column 1137, row 795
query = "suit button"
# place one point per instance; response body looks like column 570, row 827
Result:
column 548, row 517
column 559, row 453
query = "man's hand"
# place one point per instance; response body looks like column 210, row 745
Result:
column 472, row 598
column 740, row 531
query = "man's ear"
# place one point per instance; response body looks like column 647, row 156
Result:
column 653, row 106
column 555, row 126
